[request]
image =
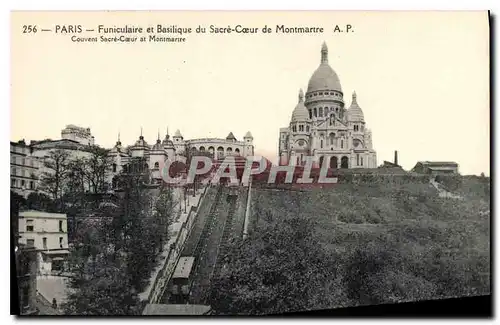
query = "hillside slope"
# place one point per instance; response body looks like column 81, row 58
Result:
column 379, row 243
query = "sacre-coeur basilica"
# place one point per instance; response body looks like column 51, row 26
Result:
column 323, row 128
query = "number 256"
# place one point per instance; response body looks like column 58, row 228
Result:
column 29, row 29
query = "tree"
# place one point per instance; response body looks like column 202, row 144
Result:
column 97, row 169
column 163, row 215
column 40, row 201
column 100, row 283
column 283, row 270
column 54, row 176
column 135, row 230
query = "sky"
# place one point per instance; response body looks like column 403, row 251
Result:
column 421, row 78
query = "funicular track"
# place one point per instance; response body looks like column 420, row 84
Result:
column 198, row 234
column 206, row 251
column 228, row 231
column 206, row 229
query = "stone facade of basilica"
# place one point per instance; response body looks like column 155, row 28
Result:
column 322, row 127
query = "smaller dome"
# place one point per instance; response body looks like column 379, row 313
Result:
column 248, row 135
column 167, row 142
column 178, row 134
column 141, row 142
column 300, row 113
column 157, row 145
column 355, row 113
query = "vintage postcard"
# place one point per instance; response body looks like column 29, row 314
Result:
column 249, row 163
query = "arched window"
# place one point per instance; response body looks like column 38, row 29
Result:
column 220, row 152
column 342, row 144
column 307, row 128
column 321, row 112
column 114, row 168
column 321, row 143
column 310, row 114
column 344, row 162
column 332, row 138
column 157, row 165
column 237, row 151
column 315, row 112
column 202, row 148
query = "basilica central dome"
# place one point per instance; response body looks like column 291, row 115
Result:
column 324, row 78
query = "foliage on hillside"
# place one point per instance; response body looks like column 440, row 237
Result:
column 115, row 245
column 469, row 186
column 370, row 244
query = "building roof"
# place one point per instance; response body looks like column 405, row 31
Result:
column 41, row 214
column 438, row 163
column 184, row 266
column 140, row 144
column 158, row 145
column 63, row 144
column 300, row 112
column 324, row 78
column 355, row 113
column 161, row 309
column 231, row 136
column 56, row 252
column 442, row 167
column 248, row 135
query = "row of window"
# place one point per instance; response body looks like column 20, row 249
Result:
column 31, row 242
column 301, row 128
column 333, row 142
column 22, row 150
column 219, row 149
column 30, row 227
column 319, row 111
column 22, row 183
column 344, row 161
column 326, row 93
column 21, row 172
column 23, row 161
column 357, row 127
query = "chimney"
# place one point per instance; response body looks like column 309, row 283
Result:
column 395, row 157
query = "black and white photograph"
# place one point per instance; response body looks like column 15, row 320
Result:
column 250, row 163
